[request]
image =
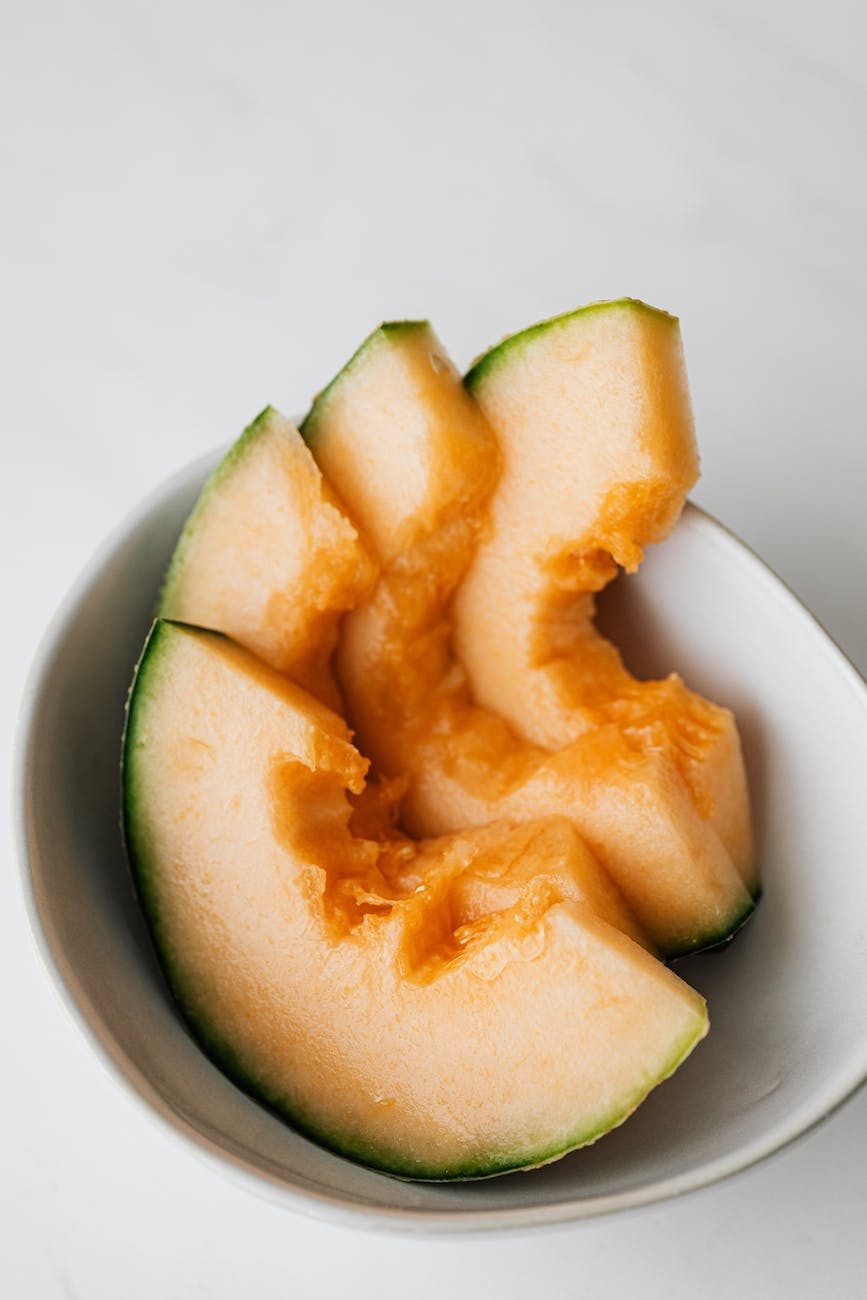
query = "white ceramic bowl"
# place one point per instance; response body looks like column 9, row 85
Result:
column 788, row 999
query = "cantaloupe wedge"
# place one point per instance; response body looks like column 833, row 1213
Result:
column 593, row 420
column 347, row 982
column 624, row 788
column 269, row 557
column 401, row 377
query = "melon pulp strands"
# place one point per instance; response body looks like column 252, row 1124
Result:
column 309, row 972
column 409, row 700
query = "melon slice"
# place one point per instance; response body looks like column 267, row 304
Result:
column 594, row 422
column 269, row 557
column 401, row 378
column 409, row 701
column 347, row 982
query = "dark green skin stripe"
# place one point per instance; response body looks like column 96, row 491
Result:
column 382, row 334
column 214, row 483
column 158, row 644
column 490, row 361
column 720, row 942
column 134, row 835
column 204, row 1030
column 714, row 940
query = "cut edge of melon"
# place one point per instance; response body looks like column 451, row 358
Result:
column 508, row 347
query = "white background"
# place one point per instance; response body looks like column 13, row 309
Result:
column 205, row 207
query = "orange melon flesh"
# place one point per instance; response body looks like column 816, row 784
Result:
column 410, row 705
column 343, row 980
column 269, row 557
column 402, row 375
column 526, row 866
column 594, row 422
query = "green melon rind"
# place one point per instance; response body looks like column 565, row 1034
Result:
column 506, row 351
column 711, row 940
column 309, row 425
column 394, row 1163
column 243, row 1073
column 216, row 481
column 719, row 941
column 133, row 832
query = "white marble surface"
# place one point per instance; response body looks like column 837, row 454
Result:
column 205, row 207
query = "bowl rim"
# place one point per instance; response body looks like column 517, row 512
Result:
column 320, row 1204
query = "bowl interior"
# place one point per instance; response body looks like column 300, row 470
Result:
column 788, row 999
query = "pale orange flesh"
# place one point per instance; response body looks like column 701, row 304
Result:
column 446, row 1009
column 594, row 424
column 402, row 379
column 486, row 996
column 464, row 766
column 622, row 782
column 270, row 558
